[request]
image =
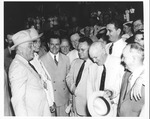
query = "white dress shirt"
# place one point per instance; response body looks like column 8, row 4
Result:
column 113, row 80
column 117, row 48
column 57, row 56
column 73, row 55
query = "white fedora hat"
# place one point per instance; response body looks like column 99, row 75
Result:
column 23, row 36
column 99, row 105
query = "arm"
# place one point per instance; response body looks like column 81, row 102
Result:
column 18, row 79
column 70, row 78
column 136, row 89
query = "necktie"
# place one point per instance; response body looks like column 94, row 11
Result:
column 56, row 62
column 102, row 84
column 80, row 74
column 32, row 66
column 128, row 87
column 110, row 49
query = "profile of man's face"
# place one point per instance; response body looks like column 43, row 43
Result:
column 83, row 48
column 112, row 32
column 27, row 50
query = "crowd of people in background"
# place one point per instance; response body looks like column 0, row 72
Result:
column 54, row 66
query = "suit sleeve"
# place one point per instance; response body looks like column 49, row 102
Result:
column 18, row 80
column 70, row 77
column 89, row 83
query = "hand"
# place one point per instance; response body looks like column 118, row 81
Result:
column 136, row 90
column 108, row 94
column 53, row 108
column 45, row 85
column 73, row 89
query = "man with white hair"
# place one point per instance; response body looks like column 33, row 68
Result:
column 133, row 56
column 105, row 74
column 75, row 42
column 28, row 96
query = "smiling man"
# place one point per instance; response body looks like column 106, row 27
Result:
column 28, row 95
column 57, row 65
column 114, row 32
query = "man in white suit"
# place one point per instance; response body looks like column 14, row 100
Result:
column 78, row 86
column 28, row 95
column 113, row 74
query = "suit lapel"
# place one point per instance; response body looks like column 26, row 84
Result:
column 30, row 68
column 49, row 64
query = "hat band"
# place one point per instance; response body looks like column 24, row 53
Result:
column 107, row 104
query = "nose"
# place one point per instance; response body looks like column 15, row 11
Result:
column 107, row 33
column 94, row 60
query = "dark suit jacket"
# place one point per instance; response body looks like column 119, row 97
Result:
column 128, row 107
column 7, row 59
column 58, row 75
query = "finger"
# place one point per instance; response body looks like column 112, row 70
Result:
column 135, row 97
column 131, row 95
column 139, row 97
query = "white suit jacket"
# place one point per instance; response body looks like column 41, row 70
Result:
column 28, row 96
column 113, row 80
column 80, row 94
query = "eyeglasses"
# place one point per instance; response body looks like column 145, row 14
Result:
column 137, row 25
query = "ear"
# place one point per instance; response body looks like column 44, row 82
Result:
column 6, row 40
column 119, row 31
column 48, row 44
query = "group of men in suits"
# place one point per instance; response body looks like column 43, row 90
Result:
column 46, row 87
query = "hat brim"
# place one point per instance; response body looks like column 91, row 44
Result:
column 30, row 40
column 91, row 108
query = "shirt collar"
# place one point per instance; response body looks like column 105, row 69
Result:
column 52, row 55
column 118, row 42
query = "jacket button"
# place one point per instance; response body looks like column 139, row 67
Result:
column 55, row 90
column 53, row 81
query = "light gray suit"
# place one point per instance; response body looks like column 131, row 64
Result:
column 80, row 94
column 58, row 75
column 126, row 106
column 28, row 95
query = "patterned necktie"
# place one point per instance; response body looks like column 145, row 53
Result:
column 56, row 62
column 80, row 73
column 110, row 49
column 102, row 84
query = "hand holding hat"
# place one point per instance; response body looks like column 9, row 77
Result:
column 98, row 105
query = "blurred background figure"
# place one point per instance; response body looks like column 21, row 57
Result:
column 137, row 24
column 8, row 110
column 73, row 54
column 139, row 37
column 127, row 30
column 8, row 53
column 65, row 46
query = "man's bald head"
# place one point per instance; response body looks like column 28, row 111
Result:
column 98, row 53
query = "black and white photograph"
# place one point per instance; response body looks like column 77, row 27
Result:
column 75, row 59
